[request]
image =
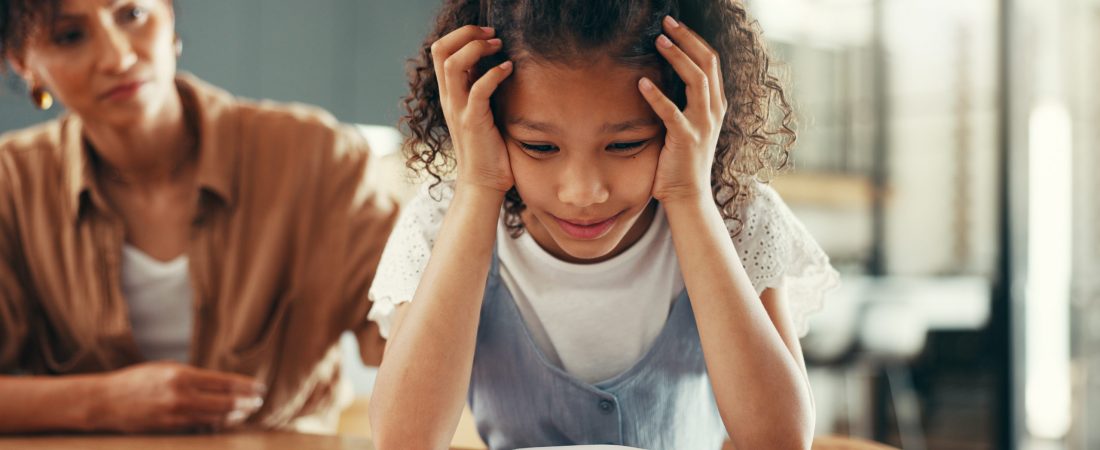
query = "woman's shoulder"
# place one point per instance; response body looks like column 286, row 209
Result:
column 296, row 132
column 34, row 152
column 36, row 138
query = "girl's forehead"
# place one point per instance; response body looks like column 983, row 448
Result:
column 601, row 92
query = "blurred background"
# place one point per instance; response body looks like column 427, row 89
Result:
column 946, row 162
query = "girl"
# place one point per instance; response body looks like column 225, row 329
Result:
column 580, row 280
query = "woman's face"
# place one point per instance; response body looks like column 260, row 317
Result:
column 583, row 145
column 112, row 61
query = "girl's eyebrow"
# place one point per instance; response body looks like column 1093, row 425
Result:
column 545, row 127
column 532, row 125
column 630, row 125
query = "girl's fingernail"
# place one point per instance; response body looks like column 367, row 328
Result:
column 489, row 30
column 495, row 42
column 506, row 65
column 663, row 41
column 645, row 83
column 671, row 22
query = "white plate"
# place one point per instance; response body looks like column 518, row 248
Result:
column 583, row 447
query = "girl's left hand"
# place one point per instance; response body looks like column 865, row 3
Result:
column 683, row 170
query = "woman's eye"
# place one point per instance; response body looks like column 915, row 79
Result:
column 134, row 14
column 626, row 146
column 538, row 148
column 68, row 37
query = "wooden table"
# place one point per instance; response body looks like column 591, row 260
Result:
column 267, row 441
column 232, row 441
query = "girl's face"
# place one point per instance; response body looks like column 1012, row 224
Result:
column 583, row 145
column 111, row 60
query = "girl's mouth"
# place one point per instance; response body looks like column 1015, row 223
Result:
column 586, row 229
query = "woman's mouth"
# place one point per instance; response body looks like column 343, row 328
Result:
column 586, row 229
column 123, row 91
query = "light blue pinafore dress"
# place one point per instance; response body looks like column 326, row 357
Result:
column 520, row 399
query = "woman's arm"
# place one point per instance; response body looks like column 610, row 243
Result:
column 157, row 397
column 425, row 374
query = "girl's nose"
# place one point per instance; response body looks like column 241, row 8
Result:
column 583, row 185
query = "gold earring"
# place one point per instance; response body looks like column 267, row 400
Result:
column 41, row 98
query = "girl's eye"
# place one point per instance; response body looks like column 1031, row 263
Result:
column 68, row 37
column 538, row 148
column 626, row 146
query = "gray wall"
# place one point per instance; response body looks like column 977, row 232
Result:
column 347, row 56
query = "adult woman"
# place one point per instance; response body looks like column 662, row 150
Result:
column 163, row 219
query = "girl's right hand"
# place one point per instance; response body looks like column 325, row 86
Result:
column 479, row 148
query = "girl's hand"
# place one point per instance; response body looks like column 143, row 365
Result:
column 683, row 170
column 479, row 149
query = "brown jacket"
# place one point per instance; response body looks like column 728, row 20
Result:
column 284, row 248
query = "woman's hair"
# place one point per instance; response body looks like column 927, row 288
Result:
column 19, row 19
column 758, row 130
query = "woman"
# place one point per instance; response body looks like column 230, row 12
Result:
column 172, row 258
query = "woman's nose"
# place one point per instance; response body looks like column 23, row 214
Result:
column 116, row 53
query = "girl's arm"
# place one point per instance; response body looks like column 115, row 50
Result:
column 758, row 380
column 425, row 374
column 422, row 384
column 752, row 353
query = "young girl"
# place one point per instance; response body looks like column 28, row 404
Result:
column 604, row 268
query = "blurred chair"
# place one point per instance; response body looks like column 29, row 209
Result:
column 875, row 325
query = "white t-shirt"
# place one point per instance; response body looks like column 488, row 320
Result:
column 597, row 320
column 159, row 297
column 568, row 307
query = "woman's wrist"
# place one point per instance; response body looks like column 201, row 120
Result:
column 91, row 409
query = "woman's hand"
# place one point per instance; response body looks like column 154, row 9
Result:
column 684, row 167
column 173, row 397
column 478, row 146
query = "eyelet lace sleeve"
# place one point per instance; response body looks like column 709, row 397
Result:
column 778, row 251
column 407, row 252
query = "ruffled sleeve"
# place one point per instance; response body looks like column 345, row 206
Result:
column 407, row 252
column 778, row 251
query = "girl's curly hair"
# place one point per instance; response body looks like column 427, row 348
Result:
column 757, row 133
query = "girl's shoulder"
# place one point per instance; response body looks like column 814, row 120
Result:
column 423, row 214
column 777, row 251
column 407, row 251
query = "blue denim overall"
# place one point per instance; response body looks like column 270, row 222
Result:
column 520, row 399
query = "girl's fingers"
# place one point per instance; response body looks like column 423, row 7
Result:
column 459, row 66
column 484, row 87
column 451, row 43
column 701, row 53
column 696, row 80
column 669, row 113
